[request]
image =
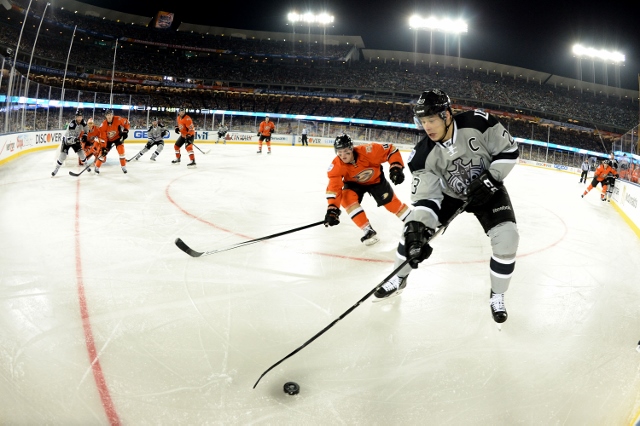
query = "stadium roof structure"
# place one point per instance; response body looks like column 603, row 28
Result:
column 371, row 55
column 100, row 12
column 270, row 35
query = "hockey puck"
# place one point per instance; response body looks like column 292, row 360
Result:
column 292, row 388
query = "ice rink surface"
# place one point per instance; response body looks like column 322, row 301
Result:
column 104, row 321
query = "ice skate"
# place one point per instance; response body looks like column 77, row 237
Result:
column 153, row 158
column 369, row 237
column 498, row 310
column 192, row 164
column 393, row 287
column 176, row 161
column 124, row 170
column 268, row 152
column 53, row 173
column 259, row 151
column 96, row 171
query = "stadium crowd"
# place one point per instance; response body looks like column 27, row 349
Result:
column 212, row 72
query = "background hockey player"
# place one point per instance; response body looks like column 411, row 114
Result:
column 357, row 171
column 114, row 130
column 267, row 128
column 186, row 135
column 610, row 180
column 156, row 135
column 222, row 132
column 71, row 139
column 601, row 175
column 462, row 157
column 91, row 142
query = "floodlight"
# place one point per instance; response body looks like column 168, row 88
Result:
column 600, row 54
column 432, row 23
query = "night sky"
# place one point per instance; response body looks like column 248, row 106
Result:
column 537, row 35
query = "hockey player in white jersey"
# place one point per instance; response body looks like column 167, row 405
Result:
column 156, row 134
column 71, row 139
column 462, row 158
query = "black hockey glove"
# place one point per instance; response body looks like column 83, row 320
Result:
column 396, row 175
column 84, row 138
column 331, row 218
column 416, row 242
column 124, row 133
column 259, row 134
column 164, row 133
column 103, row 152
column 189, row 139
column 481, row 189
column 177, row 130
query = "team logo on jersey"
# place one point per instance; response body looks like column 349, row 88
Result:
column 364, row 176
column 461, row 174
column 330, row 167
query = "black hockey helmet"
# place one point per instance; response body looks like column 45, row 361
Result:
column 343, row 141
column 108, row 111
column 78, row 112
column 432, row 102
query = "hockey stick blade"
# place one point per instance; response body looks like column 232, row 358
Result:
column 81, row 171
column 185, row 248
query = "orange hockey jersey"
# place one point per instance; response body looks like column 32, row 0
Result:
column 603, row 171
column 110, row 132
column 365, row 169
column 266, row 128
column 185, row 124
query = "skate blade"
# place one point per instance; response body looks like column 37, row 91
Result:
column 371, row 241
column 391, row 296
column 499, row 326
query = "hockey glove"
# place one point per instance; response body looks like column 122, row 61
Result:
column 481, row 189
column 124, row 133
column 103, row 152
column 68, row 141
column 331, row 218
column 177, row 130
column 84, row 138
column 396, row 175
column 165, row 133
column 258, row 134
column 416, row 242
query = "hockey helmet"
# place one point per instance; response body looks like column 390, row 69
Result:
column 108, row 111
column 78, row 112
column 606, row 162
column 90, row 121
column 154, row 119
column 432, row 102
column 343, row 141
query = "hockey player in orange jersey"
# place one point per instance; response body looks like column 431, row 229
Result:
column 356, row 171
column 91, row 142
column 266, row 130
column 601, row 176
column 186, row 134
column 113, row 131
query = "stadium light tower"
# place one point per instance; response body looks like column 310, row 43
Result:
column 445, row 25
column 602, row 55
column 311, row 19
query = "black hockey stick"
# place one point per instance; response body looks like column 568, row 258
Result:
column 359, row 302
column 185, row 248
column 83, row 170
